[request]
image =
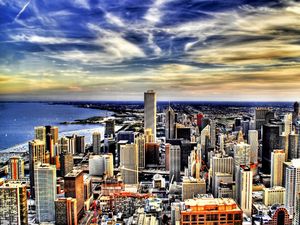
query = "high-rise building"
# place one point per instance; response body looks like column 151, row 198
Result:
column 270, row 142
column 140, row 142
column 149, row 136
column 219, row 178
column 292, row 184
column 170, row 123
column 80, row 144
column 129, row 136
column 100, row 165
column 199, row 120
column 260, row 117
column 297, row 212
column 150, row 111
column 277, row 160
column 213, row 133
column 192, row 187
column 208, row 211
column 66, row 211
column 13, row 203
column 66, row 163
column 74, row 188
column 96, row 142
column 296, row 112
column 151, row 154
column 221, row 165
column 174, row 163
column 288, row 120
column 40, row 133
column 244, row 190
column 242, row 154
column 109, row 128
column 167, row 156
column 274, row 195
column 63, row 145
column 129, row 163
column 293, row 152
column 37, row 154
column 284, row 144
column 45, row 192
column 16, row 167
column 253, row 142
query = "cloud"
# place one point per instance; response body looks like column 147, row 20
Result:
column 45, row 40
column 154, row 12
column 82, row 4
column 22, row 10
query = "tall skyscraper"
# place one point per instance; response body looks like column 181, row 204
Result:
column 260, row 117
column 66, row 211
column 296, row 109
column 16, row 167
column 174, row 163
column 213, row 133
column 253, row 142
column 109, row 128
column 66, row 163
column 80, row 144
column 242, row 154
column 45, row 192
column 244, row 190
column 270, row 142
column 96, row 142
column 288, row 120
column 150, row 111
column 140, row 142
column 37, row 154
column 170, row 123
column 129, row 163
column 74, row 188
column 297, row 213
column 277, row 160
column 293, row 152
column 13, row 203
column 292, row 184
column 151, row 154
column 40, row 133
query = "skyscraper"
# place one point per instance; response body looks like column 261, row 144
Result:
column 292, row 184
column 242, row 154
column 74, row 188
column 174, row 163
column 140, row 141
column 45, row 192
column 244, row 190
column 293, row 152
column 40, row 133
column 96, row 142
column 16, row 167
column 170, row 123
column 270, row 142
column 260, row 117
column 66, row 211
column 13, row 204
column 150, row 111
column 66, row 163
column 37, row 154
column 253, row 142
column 101, row 164
column 129, row 163
column 109, row 128
column 277, row 160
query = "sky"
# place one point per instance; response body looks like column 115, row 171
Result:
column 213, row 50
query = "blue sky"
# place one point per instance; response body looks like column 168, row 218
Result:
column 115, row 50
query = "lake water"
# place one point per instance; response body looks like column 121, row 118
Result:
column 17, row 120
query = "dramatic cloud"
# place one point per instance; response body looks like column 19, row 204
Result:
column 189, row 50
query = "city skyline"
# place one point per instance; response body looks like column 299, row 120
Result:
column 97, row 50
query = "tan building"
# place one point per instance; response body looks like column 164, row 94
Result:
column 16, row 167
column 210, row 211
column 277, row 160
column 129, row 163
column 274, row 195
column 192, row 187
